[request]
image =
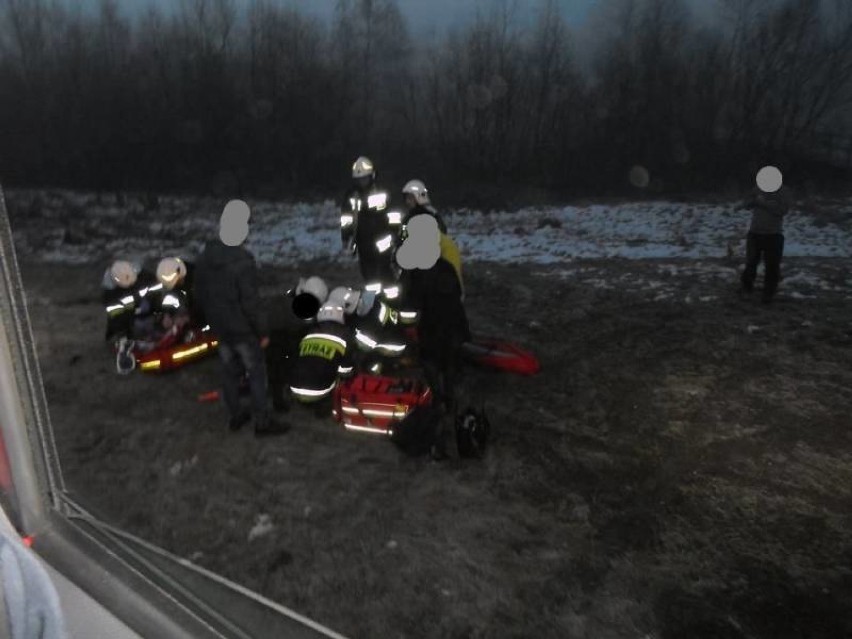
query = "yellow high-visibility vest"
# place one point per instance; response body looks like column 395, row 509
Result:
column 450, row 252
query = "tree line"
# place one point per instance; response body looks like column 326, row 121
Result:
column 267, row 100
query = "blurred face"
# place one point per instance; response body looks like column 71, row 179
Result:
column 305, row 306
column 410, row 202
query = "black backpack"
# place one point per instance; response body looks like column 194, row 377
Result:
column 415, row 434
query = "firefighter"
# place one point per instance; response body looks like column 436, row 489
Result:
column 178, row 275
column 379, row 334
column 179, row 317
column 125, row 294
column 291, row 317
column 374, row 325
column 369, row 228
column 418, row 202
column 434, row 291
column 325, row 353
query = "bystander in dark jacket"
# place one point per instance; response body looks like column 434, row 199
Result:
column 226, row 287
column 765, row 240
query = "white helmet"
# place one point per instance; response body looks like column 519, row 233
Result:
column 418, row 190
column 363, row 167
column 331, row 312
column 346, row 297
column 315, row 286
column 170, row 271
column 123, row 273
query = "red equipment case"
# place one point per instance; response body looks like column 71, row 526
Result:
column 375, row 404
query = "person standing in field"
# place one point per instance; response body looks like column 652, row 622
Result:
column 765, row 239
column 227, row 289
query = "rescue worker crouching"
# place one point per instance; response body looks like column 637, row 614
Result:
column 325, row 353
column 165, row 315
column 179, row 317
column 178, row 276
column 378, row 333
column 291, row 317
column 369, row 228
column 124, row 292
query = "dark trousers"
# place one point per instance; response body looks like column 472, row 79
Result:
column 443, row 371
column 770, row 248
column 239, row 359
column 280, row 355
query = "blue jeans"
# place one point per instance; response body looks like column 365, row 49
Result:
column 239, row 359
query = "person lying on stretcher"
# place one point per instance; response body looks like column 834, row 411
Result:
column 164, row 321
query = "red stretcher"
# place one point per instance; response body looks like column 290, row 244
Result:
column 491, row 352
column 170, row 354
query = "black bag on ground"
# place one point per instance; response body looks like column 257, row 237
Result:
column 472, row 433
column 415, row 434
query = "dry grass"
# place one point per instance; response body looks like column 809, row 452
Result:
column 667, row 475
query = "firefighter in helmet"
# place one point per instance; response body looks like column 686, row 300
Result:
column 369, row 228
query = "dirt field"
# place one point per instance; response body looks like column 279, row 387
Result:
column 678, row 468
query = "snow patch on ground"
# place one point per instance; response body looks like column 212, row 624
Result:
column 74, row 228
column 263, row 526
column 631, row 231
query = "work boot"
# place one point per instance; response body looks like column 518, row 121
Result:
column 236, row 423
column 268, row 427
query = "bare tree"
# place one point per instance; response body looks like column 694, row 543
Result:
column 553, row 82
column 789, row 67
column 372, row 48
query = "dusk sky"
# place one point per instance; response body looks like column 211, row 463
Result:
column 421, row 14
column 438, row 13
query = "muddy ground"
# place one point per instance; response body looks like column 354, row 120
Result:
column 677, row 469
